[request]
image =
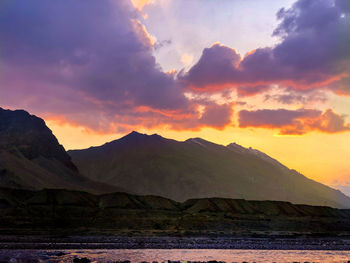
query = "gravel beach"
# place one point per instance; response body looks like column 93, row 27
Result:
column 119, row 242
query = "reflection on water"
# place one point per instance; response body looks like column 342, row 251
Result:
column 138, row 255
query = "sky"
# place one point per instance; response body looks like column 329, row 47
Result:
column 272, row 75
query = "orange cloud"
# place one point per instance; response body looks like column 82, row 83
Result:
column 193, row 118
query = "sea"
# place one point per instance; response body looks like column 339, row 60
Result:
column 182, row 255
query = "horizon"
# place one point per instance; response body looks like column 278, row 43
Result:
column 271, row 75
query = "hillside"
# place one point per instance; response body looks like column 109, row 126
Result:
column 32, row 158
column 195, row 168
column 73, row 212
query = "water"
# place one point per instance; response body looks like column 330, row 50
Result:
column 138, row 255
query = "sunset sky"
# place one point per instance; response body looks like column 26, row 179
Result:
column 272, row 75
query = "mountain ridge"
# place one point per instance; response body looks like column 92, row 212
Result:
column 196, row 168
column 32, row 158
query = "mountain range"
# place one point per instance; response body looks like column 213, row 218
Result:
column 196, row 168
column 32, row 158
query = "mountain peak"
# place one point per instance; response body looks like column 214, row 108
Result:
column 138, row 134
column 135, row 134
column 28, row 134
column 133, row 138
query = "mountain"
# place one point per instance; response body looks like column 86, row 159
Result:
column 196, row 168
column 32, row 158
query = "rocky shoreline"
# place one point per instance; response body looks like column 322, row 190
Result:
column 120, row 242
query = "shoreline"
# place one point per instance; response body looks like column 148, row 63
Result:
column 152, row 242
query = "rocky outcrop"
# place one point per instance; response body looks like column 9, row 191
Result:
column 32, row 158
column 28, row 136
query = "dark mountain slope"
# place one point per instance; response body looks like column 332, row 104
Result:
column 197, row 169
column 32, row 158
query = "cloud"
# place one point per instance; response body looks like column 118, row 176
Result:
column 203, row 114
column 218, row 116
column 290, row 97
column 314, row 52
column 89, row 61
column 216, row 66
column 342, row 87
column 294, row 122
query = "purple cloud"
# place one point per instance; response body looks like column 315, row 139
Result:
column 290, row 96
column 314, row 52
column 218, row 116
column 91, row 63
column 88, row 61
column 216, row 65
column 294, row 121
